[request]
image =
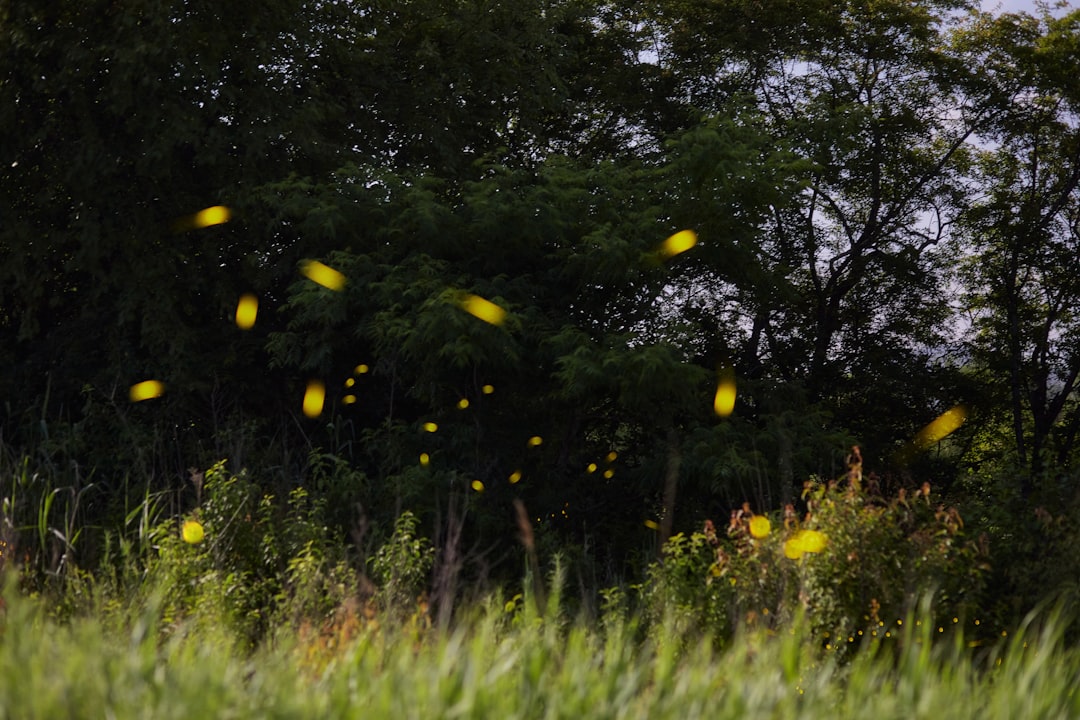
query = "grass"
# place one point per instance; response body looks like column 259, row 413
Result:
column 121, row 665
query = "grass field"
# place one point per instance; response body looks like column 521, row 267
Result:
column 517, row 665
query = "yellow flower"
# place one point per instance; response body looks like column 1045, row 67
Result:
column 760, row 527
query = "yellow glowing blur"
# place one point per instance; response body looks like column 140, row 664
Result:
column 484, row 309
column 477, row 486
column 535, row 441
column 361, row 369
column 314, row 397
column 591, row 468
column 942, row 426
column 804, row 541
column 609, row 473
column 192, row 532
column 611, row 456
column 724, row 402
column 463, row 403
column 652, row 525
column 425, row 459
column 324, row 275
column 216, row 215
column 246, row 310
column 760, row 527
column 515, row 477
column 678, row 243
column 430, row 426
column 146, row 390
column 349, row 399
column 488, row 389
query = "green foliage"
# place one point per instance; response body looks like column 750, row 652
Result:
column 258, row 557
column 491, row 668
column 402, row 566
column 878, row 558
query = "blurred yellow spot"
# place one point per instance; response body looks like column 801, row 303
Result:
column 609, row 474
column 349, row 399
column 652, row 525
column 424, row 459
column 724, row 402
column 680, row 242
column 192, row 532
column 591, row 468
column 246, row 310
column 515, row 477
column 324, row 275
column 215, row 215
column 535, row 441
column 804, row 541
column 792, row 549
column 430, row 426
column 477, row 486
column 760, row 527
column 314, row 397
column 361, row 369
column 146, row 390
column 462, row 403
column 486, row 310
column 942, row 426
column 611, row 456
column 488, row 389
column 349, row 382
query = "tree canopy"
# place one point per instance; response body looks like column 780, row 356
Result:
column 881, row 198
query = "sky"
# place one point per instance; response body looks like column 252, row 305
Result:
column 1027, row 6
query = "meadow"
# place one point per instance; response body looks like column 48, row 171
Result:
column 508, row 660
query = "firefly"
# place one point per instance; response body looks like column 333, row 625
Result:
column 146, row 390
column 314, row 396
column 484, row 309
column 724, row 401
column 324, row 275
column 678, row 243
column 246, row 309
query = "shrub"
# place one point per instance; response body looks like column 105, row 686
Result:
column 851, row 564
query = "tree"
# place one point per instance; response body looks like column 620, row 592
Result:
column 1024, row 237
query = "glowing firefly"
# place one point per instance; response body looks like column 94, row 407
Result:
column 246, row 310
column 724, row 402
column 486, row 310
column 324, row 275
column 216, row 215
column 146, row 390
column 760, row 527
column 314, row 397
column 192, row 532
column 942, row 426
column 678, row 243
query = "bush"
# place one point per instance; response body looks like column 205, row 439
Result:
column 852, row 564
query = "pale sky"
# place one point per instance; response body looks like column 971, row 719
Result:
column 1027, row 6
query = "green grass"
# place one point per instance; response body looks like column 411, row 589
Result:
column 501, row 666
